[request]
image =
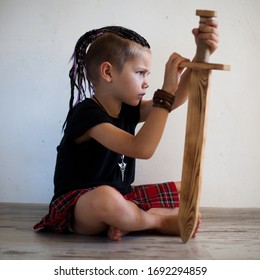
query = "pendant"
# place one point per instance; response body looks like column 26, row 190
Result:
column 122, row 167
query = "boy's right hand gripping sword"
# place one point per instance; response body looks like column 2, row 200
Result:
column 195, row 133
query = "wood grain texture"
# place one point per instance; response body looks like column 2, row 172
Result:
column 206, row 13
column 205, row 66
column 194, row 152
column 195, row 133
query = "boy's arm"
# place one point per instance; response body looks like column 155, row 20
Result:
column 207, row 32
column 144, row 143
column 181, row 94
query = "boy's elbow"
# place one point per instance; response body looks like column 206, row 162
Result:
column 142, row 151
column 147, row 156
column 145, row 153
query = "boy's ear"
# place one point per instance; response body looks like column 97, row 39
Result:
column 106, row 71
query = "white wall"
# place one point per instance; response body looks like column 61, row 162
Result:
column 36, row 41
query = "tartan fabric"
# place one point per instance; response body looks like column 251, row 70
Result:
column 149, row 196
column 58, row 218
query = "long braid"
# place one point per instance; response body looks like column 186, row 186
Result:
column 78, row 72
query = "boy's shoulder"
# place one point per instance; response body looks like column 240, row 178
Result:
column 88, row 102
column 87, row 106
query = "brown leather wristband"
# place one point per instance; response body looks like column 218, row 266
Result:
column 163, row 99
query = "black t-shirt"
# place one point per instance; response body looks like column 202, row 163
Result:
column 90, row 164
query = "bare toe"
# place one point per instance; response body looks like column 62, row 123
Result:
column 115, row 233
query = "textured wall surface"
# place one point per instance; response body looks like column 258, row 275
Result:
column 37, row 39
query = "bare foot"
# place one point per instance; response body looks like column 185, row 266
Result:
column 115, row 233
column 170, row 223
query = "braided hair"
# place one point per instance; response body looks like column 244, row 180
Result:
column 79, row 73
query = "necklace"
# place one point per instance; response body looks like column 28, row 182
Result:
column 102, row 107
column 122, row 167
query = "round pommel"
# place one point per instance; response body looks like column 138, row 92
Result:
column 206, row 13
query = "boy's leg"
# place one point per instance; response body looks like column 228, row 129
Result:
column 170, row 211
column 105, row 207
column 173, row 212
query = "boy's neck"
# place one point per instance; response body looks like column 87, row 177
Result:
column 111, row 105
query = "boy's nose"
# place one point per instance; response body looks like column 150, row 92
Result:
column 145, row 85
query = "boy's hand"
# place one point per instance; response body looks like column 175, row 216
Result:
column 208, row 32
column 172, row 73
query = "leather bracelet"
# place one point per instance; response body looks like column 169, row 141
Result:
column 163, row 99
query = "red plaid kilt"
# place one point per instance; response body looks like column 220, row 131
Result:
column 58, row 219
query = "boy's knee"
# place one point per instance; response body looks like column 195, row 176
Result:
column 107, row 199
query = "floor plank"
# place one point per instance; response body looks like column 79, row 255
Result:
column 224, row 234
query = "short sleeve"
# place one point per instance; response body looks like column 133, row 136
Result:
column 84, row 116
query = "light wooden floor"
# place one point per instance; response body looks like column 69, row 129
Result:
column 224, row 234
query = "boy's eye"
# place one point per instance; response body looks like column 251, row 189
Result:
column 142, row 73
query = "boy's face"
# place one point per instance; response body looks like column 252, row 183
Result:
column 131, row 83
